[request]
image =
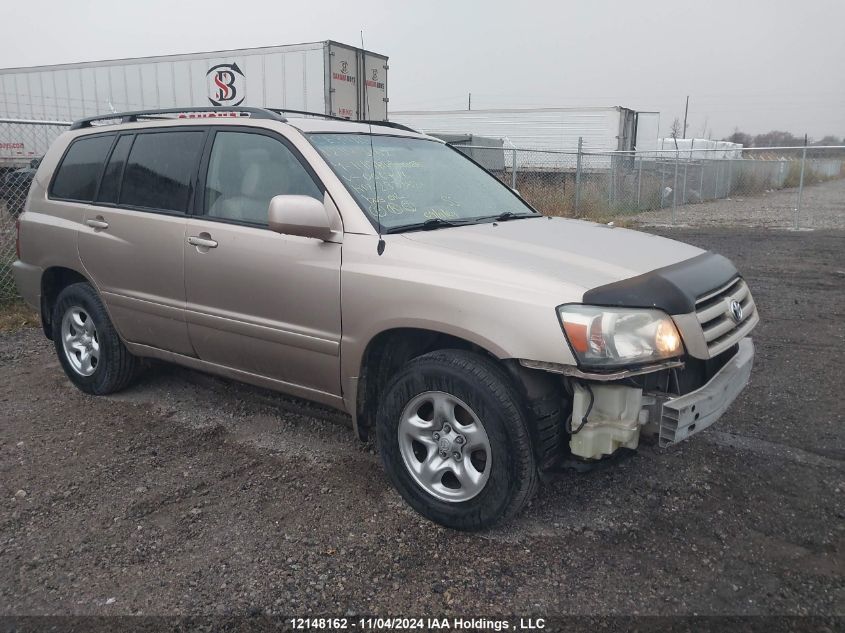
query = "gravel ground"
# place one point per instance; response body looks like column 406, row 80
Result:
column 192, row 495
column 822, row 207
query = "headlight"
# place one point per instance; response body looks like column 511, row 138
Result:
column 608, row 337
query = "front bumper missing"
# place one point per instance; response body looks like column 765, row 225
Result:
column 618, row 413
column 682, row 416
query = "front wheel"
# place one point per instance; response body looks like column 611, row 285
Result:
column 453, row 436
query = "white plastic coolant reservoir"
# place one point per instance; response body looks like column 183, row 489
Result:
column 613, row 421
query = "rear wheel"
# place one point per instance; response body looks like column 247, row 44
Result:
column 89, row 349
column 453, row 436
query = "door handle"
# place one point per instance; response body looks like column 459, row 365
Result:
column 202, row 242
column 97, row 223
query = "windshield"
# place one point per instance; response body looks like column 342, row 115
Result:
column 417, row 181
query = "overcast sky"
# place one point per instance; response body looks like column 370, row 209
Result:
column 757, row 65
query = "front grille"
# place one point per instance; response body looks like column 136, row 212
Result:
column 720, row 327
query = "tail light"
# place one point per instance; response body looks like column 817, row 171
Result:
column 17, row 238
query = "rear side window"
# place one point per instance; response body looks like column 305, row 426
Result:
column 160, row 170
column 110, row 185
column 76, row 178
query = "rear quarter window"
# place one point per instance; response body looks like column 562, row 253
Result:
column 76, row 178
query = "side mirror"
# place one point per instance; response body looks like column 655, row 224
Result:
column 299, row 215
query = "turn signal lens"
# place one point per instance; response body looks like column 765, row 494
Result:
column 577, row 335
column 666, row 339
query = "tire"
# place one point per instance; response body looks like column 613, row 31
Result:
column 80, row 315
column 482, row 395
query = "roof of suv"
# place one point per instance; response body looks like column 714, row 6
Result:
column 303, row 121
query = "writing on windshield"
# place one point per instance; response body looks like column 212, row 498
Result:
column 411, row 180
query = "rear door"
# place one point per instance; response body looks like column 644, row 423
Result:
column 343, row 81
column 257, row 301
column 132, row 241
column 374, row 87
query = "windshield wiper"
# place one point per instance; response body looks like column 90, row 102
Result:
column 428, row 225
column 507, row 215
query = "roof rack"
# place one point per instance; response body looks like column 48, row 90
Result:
column 333, row 117
column 131, row 117
column 276, row 114
column 308, row 113
column 392, row 124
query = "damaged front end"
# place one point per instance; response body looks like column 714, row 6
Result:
column 672, row 403
column 663, row 354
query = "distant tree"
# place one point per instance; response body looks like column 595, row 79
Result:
column 776, row 138
column 830, row 139
column 740, row 137
column 676, row 131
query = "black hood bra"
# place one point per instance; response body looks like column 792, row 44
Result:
column 673, row 289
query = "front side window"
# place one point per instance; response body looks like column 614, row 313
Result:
column 246, row 170
column 412, row 181
column 76, row 178
column 160, row 170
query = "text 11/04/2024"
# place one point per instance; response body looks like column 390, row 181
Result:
column 416, row 624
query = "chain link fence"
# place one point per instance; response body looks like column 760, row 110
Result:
column 22, row 144
column 764, row 186
column 653, row 185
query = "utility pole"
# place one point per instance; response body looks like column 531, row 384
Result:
column 686, row 110
column 469, row 102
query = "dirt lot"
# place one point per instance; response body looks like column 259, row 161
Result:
column 189, row 494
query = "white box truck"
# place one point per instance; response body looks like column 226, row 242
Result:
column 325, row 77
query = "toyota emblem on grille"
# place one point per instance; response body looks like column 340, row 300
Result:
column 736, row 311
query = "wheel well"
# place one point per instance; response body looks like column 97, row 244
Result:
column 53, row 281
column 385, row 354
column 542, row 392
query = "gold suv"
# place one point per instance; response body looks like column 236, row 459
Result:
column 381, row 272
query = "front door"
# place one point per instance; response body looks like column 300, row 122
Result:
column 258, row 301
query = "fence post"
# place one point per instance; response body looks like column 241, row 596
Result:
column 675, row 187
column 513, row 168
column 730, row 176
column 686, row 169
column 639, row 183
column 717, row 164
column 800, row 187
column 578, row 176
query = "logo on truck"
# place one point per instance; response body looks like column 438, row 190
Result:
column 343, row 75
column 374, row 82
column 226, row 85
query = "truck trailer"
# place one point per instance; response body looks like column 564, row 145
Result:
column 325, row 77
column 554, row 132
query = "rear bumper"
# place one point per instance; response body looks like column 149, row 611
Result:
column 28, row 281
column 683, row 416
